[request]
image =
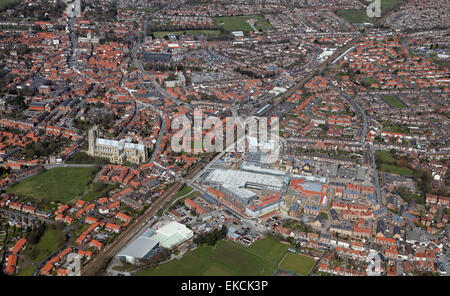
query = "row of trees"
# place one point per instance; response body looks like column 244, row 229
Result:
column 105, row 122
column 42, row 12
column 152, row 262
column 44, row 148
column 82, row 157
column 297, row 225
column 37, row 233
column 210, row 238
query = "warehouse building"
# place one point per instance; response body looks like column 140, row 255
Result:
column 143, row 248
column 240, row 195
column 172, row 234
column 247, row 179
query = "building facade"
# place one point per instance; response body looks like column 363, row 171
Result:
column 116, row 151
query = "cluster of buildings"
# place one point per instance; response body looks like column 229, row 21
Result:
column 94, row 78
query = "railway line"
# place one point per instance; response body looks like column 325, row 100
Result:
column 92, row 268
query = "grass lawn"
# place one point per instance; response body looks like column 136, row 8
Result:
column 385, row 156
column 27, row 271
column 5, row 2
column 394, row 102
column 183, row 191
column 445, row 63
column 97, row 190
column 297, row 263
column 238, row 23
column 390, row 168
column 51, row 241
column 388, row 4
column 160, row 34
column 409, row 196
column 76, row 232
column 370, row 80
column 226, row 258
column 435, row 60
column 83, row 158
column 62, row 184
column 358, row 16
column 269, row 248
column 191, row 195
column 355, row 16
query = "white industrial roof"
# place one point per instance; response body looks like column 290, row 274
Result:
column 172, row 234
column 256, row 169
column 241, row 192
column 139, row 247
column 174, row 228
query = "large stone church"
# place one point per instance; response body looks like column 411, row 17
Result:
column 116, row 151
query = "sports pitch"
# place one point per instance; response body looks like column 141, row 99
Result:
column 229, row 258
column 239, row 23
column 299, row 264
column 59, row 184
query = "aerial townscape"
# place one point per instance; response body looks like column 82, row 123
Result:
column 352, row 180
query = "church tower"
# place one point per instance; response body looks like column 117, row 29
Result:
column 92, row 136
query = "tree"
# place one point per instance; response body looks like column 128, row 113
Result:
column 210, row 238
column 37, row 233
column 403, row 162
column 34, row 253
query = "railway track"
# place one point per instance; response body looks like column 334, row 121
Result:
column 97, row 263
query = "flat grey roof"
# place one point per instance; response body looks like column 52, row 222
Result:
column 237, row 178
column 241, row 192
column 139, row 247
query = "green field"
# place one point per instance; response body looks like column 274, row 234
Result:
column 238, row 23
column 160, row 34
column 388, row 4
column 226, row 258
column 299, row 264
column 50, row 242
column 445, row 63
column 385, row 156
column 355, row 16
column 358, row 16
column 83, row 158
column 59, row 184
column 390, row 168
column 369, row 81
column 389, row 164
column 269, row 248
column 96, row 190
column 27, row 271
column 5, row 2
column 183, row 191
column 394, row 102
